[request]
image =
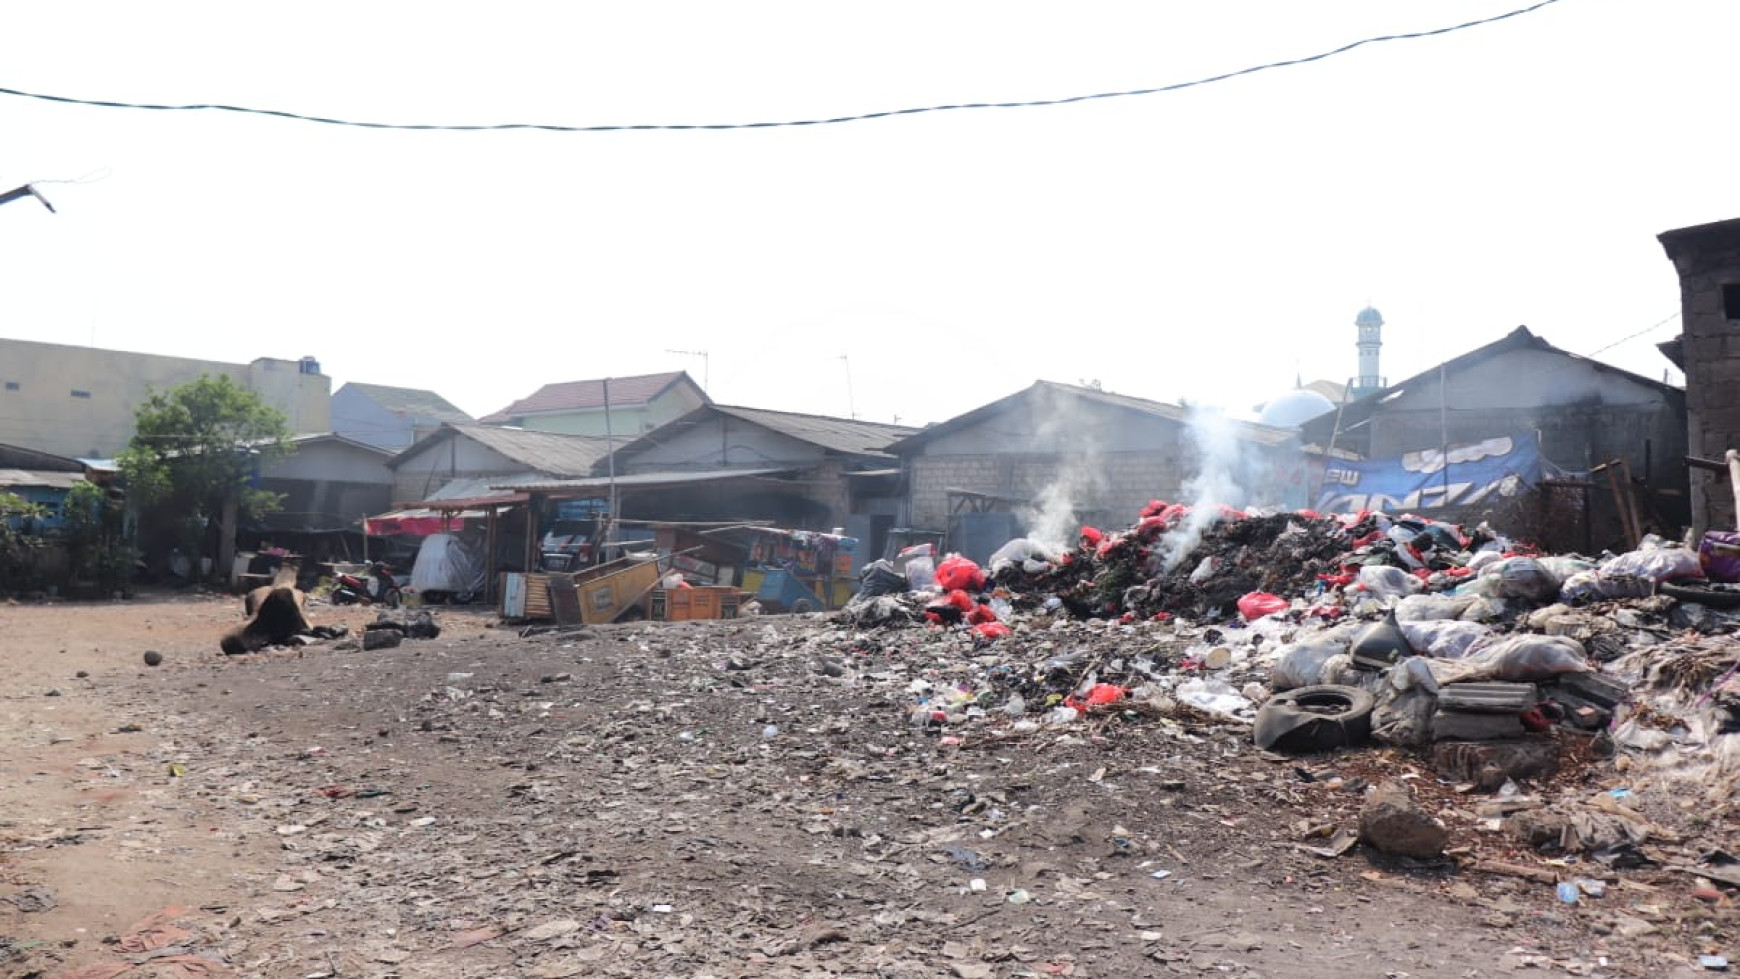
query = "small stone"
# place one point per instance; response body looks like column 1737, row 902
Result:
column 1392, row 822
column 552, row 929
column 1629, row 927
column 153, row 657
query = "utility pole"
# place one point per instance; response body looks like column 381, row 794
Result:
column 610, row 445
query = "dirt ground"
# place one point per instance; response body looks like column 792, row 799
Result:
column 745, row 798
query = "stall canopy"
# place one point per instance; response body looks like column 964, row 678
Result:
column 415, row 522
column 437, row 516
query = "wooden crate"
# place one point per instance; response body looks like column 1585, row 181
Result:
column 701, row 602
column 609, row 589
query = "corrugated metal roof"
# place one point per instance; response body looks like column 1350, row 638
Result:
column 541, row 452
column 410, row 401
column 1322, row 428
column 312, row 437
column 37, row 478
column 639, row 480
column 625, row 392
column 849, row 435
column 1251, row 431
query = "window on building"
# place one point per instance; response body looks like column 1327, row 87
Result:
column 1731, row 300
column 80, row 394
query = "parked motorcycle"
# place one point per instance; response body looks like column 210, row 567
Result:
column 378, row 588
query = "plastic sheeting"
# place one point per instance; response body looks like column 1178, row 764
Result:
column 446, row 563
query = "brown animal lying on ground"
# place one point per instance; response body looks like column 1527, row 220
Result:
column 277, row 615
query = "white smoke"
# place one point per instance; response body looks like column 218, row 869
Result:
column 1220, row 463
column 1051, row 522
column 1077, row 479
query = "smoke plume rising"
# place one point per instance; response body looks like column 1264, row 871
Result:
column 1220, row 468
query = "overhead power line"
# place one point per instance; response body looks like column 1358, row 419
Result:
column 834, row 120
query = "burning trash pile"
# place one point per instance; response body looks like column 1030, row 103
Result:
column 1327, row 632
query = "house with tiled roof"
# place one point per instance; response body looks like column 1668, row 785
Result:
column 636, row 405
column 390, row 417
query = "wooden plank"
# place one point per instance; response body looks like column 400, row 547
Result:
column 537, row 596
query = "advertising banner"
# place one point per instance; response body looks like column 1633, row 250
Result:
column 1431, row 479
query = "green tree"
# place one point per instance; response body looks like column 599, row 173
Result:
column 18, row 547
column 194, row 453
column 95, row 530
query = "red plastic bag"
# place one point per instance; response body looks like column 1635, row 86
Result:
column 961, row 600
column 1100, row 693
column 1257, row 604
column 992, row 630
column 961, row 573
column 981, row 614
column 1091, row 536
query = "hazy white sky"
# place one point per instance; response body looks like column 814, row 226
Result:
column 1202, row 244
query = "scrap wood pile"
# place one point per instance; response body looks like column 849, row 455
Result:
column 1495, row 666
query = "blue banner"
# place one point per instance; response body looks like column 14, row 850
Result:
column 1431, row 479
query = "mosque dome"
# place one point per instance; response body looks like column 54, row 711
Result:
column 1369, row 316
column 1295, row 408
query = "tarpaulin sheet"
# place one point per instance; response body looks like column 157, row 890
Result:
column 1431, row 479
column 448, row 564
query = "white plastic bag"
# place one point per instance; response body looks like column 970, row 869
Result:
column 1427, row 608
column 1021, row 552
column 1656, row 564
column 1305, row 664
column 1524, row 658
column 1441, row 639
column 1388, row 583
column 921, row 573
column 1214, row 696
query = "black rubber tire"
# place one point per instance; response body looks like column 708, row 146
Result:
column 802, row 606
column 1701, row 595
column 1316, row 718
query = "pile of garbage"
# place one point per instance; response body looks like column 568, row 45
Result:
column 1324, row 632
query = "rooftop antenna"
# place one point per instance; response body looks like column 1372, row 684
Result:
column 706, row 366
column 851, row 401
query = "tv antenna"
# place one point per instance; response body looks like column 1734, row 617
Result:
column 706, row 366
column 851, row 402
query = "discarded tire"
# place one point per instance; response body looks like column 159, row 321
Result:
column 1712, row 595
column 1315, row 718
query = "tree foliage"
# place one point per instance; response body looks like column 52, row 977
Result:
column 18, row 548
column 198, row 445
column 95, row 531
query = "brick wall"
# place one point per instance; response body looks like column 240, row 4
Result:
column 1707, row 259
column 1115, row 483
